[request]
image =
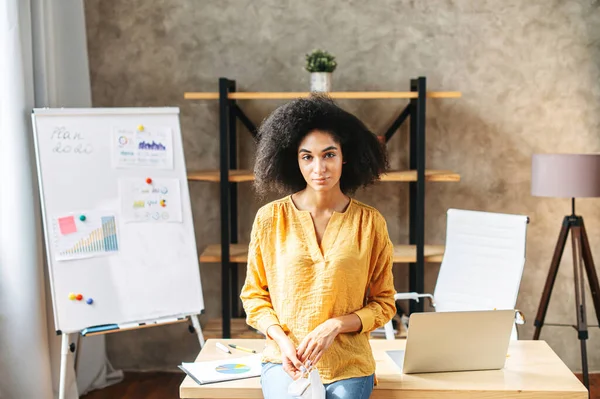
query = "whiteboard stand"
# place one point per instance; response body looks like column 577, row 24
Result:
column 107, row 256
column 198, row 329
column 64, row 358
column 67, row 347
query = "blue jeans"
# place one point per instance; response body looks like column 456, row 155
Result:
column 275, row 382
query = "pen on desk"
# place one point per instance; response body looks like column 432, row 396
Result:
column 223, row 347
column 242, row 348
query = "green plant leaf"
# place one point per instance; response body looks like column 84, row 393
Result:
column 320, row 61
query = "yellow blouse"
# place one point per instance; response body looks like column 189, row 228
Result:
column 295, row 283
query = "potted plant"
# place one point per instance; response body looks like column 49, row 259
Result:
column 320, row 64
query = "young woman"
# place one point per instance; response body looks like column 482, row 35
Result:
column 319, row 275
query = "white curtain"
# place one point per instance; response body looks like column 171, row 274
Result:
column 43, row 63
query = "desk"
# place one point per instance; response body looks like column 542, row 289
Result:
column 532, row 370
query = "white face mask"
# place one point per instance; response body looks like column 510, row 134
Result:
column 308, row 386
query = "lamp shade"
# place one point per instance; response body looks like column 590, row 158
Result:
column 565, row 175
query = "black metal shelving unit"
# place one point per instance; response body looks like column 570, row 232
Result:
column 230, row 113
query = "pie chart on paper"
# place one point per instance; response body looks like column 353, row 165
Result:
column 233, row 368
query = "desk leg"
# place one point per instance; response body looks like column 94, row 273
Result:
column 64, row 359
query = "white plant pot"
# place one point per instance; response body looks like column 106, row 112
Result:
column 320, row 81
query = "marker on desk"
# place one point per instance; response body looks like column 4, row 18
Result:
column 242, row 348
column 223, row 347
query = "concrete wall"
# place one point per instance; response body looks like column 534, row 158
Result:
column 528, row 71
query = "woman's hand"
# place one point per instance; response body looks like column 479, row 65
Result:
column 318, row 341
column 289, row 359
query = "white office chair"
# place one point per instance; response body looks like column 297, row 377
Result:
column 482, row 265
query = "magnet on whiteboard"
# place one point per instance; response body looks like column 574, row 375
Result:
column 82, row 218
column 149, row 181
column 72, row 296
column 89, row 301
column 79, row 297
column 141, row 128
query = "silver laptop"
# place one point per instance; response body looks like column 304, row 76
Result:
column 456, row 341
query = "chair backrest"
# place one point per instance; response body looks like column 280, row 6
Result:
column 483, row 262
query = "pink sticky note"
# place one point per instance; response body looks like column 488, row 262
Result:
column 67, row 225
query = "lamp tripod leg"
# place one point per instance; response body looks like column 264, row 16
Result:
column 582, row 331
column 558, row 252
column 590, row 269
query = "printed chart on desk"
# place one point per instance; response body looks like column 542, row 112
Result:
column 206, row 372
column 118, row 224
column 236, row 368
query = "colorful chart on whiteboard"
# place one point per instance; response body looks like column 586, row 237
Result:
column 150, row 147
column 150, row 200
column 85, row 235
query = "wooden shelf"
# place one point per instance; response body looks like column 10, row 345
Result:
column 213, row 329
column 237, row 176
column 238, row 253
column 430, row 175
column 402, row 253
column 240, row 176
column 354, row 95
column 408, row 253
column 239, row 329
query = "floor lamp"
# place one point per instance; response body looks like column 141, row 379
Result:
column 569, row 176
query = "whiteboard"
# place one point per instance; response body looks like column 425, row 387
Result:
column 101, row 243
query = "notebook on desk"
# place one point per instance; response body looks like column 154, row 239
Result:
column 223, row 370
column 455, row 341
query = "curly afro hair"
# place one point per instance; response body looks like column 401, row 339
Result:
column 276, row 167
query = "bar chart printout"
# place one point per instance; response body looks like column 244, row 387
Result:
column 85, row 235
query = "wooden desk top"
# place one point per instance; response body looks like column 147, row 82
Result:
column 532, row 370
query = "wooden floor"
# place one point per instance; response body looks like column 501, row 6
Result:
column 166, row 386
column 142, row 385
